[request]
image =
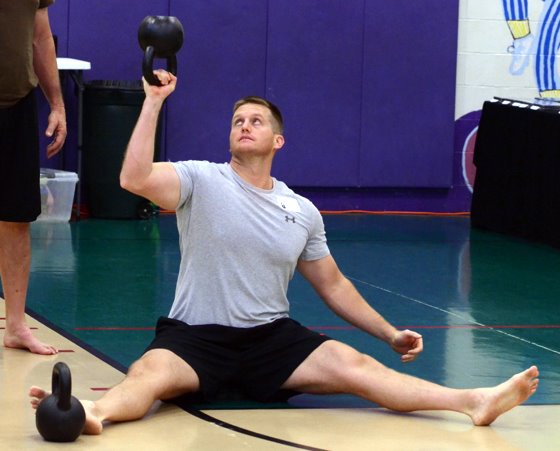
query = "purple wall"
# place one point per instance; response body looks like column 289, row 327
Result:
column 314, row 73
column 410, row 53
column 367, row 87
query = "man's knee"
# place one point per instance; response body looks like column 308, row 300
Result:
column 152, row 363
column 329, row 369
column 139, row 368
column 10, row 231
column 169, row 374
column 14, row 227
column 343, row 359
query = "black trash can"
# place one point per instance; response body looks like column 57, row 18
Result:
column 111, row 109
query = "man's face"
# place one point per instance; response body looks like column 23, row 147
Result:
column 252, row 131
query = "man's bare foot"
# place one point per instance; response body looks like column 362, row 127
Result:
column 490, row 403
column 22, row 338
column 93, row 425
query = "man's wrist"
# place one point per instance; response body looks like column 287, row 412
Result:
column 58, row 107
column 391, row 334
column 153, row 104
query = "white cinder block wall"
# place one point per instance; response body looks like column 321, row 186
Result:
column 483, row 60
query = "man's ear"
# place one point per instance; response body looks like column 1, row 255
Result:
column 278, row 142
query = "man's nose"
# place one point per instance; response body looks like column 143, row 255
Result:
column 245, row 126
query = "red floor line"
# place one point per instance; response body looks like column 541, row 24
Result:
column 466, row 326
column 459, row 326
column 512, row 326
column 114, row 328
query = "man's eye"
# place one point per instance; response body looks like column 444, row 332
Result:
column 257, row 121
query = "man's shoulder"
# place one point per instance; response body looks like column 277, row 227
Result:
column 200, row 165
column 285, row 190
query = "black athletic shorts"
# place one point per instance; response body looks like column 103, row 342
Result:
column 20, row 196
column 232, row 363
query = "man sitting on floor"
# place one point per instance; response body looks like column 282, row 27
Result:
column 242, row 235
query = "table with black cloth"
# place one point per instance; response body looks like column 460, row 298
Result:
column 517, row 159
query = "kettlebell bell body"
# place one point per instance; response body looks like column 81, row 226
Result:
column 160, row 37
column 60, row 416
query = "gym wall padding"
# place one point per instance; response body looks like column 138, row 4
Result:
column 408, row 99
column 314, row 72
column 367, row 87
column 223, row 58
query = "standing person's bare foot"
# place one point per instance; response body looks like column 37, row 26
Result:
column 93, row 425
column 490, row 403
column 21, row 337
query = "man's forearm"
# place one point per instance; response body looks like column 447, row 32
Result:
column 139, row 157
column 347, row 303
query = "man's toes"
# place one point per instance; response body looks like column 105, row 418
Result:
column 37, row 392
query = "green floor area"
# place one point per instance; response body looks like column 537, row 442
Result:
column 486, row 304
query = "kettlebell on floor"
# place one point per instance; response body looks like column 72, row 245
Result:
column 60, row 416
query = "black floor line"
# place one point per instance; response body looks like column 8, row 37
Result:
column 197, row 413
column 232, row 427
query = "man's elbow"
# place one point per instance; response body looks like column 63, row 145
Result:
column 128, row 183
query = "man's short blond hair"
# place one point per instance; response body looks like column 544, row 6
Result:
column 277, row 120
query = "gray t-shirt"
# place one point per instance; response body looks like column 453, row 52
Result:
column 239, row 246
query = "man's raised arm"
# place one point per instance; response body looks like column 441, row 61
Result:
column 157, row 182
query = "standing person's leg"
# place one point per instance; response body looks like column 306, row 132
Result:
column 20, row 204
column 157, row 375
column 337, row 368
column 15, row 260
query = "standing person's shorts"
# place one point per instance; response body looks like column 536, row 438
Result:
column 20, row 196
column 253, row 362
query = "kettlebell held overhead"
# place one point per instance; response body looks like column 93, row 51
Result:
column 60, row 417
column 159, row 37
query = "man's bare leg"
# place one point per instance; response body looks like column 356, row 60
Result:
column 337, row 368
column 158, row 375
column 15, row 262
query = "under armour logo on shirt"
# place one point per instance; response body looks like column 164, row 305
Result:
column 290, row 218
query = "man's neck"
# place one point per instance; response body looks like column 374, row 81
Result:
column 256, row 173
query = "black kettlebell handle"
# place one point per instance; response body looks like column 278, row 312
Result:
column 159, row 37
column 62, row 385
column 148, row 64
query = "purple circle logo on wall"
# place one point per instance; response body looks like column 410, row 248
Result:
column 466, row 129
column 469, row 169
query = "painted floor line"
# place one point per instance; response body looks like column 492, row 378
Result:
column 102, row 328
column 417, row 326
column 453, row 326
column 467, row 320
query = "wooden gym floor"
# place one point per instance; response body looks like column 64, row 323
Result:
column 486, row 305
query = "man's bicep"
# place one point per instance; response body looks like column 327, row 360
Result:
column 163, row 186
column 42, row 28
column 322, row 274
